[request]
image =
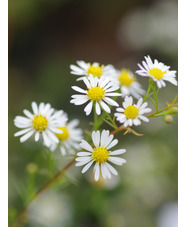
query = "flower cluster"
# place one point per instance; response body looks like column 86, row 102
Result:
column 104, row 87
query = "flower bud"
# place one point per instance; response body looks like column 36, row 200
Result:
column 168, row 119
column 31, row 168
column 175, row 110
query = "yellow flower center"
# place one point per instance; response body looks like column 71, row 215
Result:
column 96, row 71
column 157, row 73
column 125, row 78
column 64, row 135
column 40, row 122
column 100, row 154
column 131, row 112
column 96, row 93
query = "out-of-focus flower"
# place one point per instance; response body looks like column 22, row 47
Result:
column 132, row 114
column 70, row 138
column 100, row 154
column 157, row 71
column 160, row 31
column 168, row 215
column 50, row 209
column 128, row 83
column 97, row 92
column 86, row 69
column 44, row 121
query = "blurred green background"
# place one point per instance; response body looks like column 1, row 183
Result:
column 45, row 37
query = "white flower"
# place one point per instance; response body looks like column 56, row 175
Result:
column 70, row 138
column 132, row 114
column 97, row 92
column 157, row 71
column 128, row 83
column 100, row 154
column 44, row 121
column 86, row 69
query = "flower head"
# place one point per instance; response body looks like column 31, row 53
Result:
column 97, row 92
column 70, row 138
column 128, row 83
column 157, row 71
column 44, row 121
column 96, row 70
column 132, row 114
column 100, row 154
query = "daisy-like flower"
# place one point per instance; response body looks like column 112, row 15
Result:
column 97, row 92
column 132, row 114
column 128, row 84
column 70, row 138
column 95, row 69
column 157, row 71
column 100, row 154
column 44, row 121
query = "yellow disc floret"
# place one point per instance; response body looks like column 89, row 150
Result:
column 100, row 154
column 96, row 71
column 96, row 93
column 131, row 112
column 125, row 78
column 40, row 122
column 157, row 73
column 64, row 135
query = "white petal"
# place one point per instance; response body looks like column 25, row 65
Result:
column 105, row 107
column 104, row 137
column 144, row 118
column 79, row 89
column 86, row 145
column 103, row 171
column 28, row 114
column 46, row 139
column 79, row 101
column 22, row 132
column 139, row 103
column 117, row 160
column 98, row 109
column 107, row 172
column 26, row 136
column 96, row 138
column 83, row 159
column 41, row 106
column 82, row 163
column 63, row 151
column 37, row 135
column 88, row 108
column 112, row 144
column 35, row 108
column 120, row 109
column 87, row 166
column 117, row 152
column 97, row 172
column 110, row 101
column 52, row 136
column 109, row 139
column 83, row 154
column 111, row 168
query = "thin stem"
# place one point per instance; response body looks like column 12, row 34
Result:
column 111, row 120
column 20, row 219
column 95, row 118
column 160, row 111
column 149, row 89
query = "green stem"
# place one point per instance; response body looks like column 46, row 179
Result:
column 22, row 216
column 95, row 124
column 149, row 89
column 111, row 120
column 160, row 111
